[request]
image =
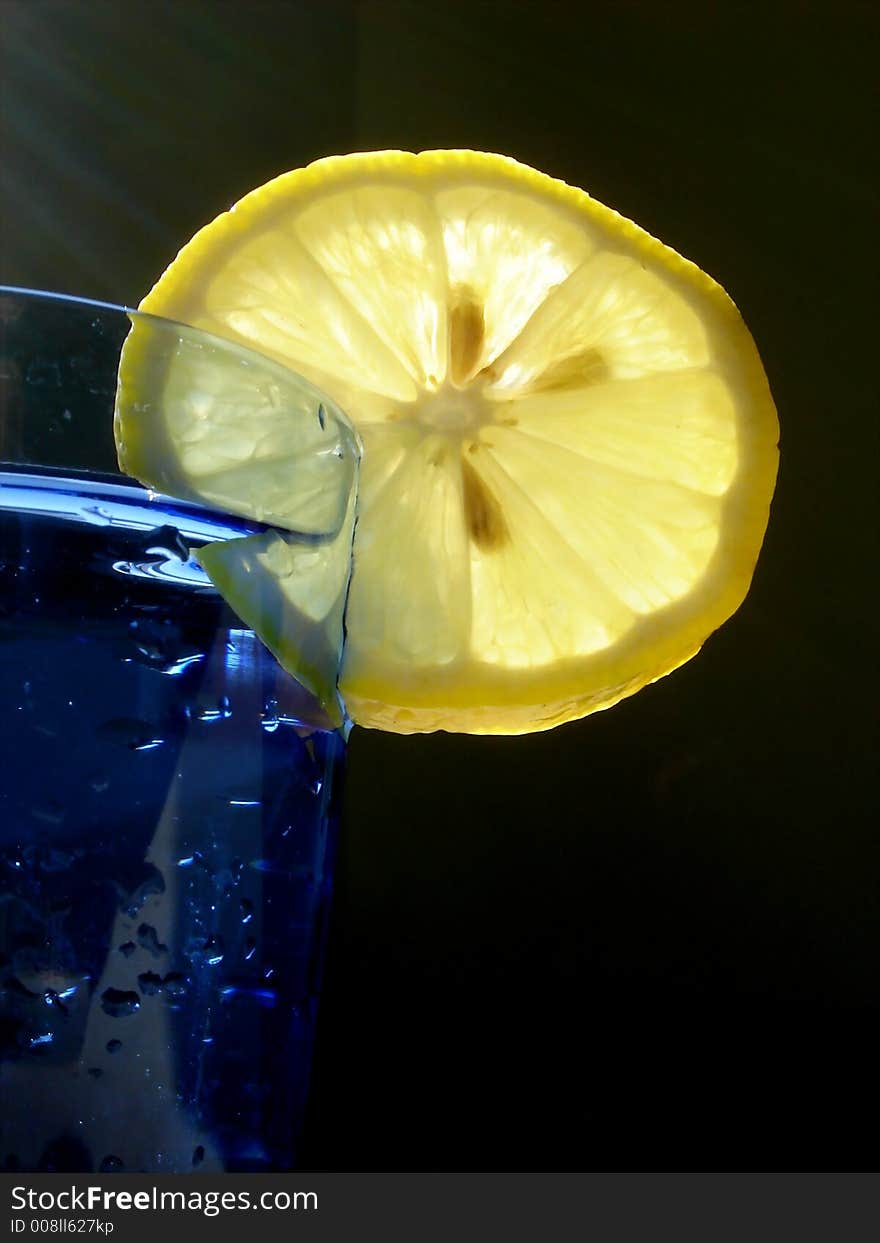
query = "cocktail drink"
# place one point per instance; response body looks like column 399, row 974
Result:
column 168, row 801
column 567, row 450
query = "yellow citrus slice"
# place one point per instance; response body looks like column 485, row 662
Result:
column 569, row 443
column 204, row 419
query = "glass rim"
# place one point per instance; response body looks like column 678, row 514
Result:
column 48, row 312
column 77, row 300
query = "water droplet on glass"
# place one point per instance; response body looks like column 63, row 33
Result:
column 146, row 744
column 174, row 984
column 265, row 997
column 148, row 939
column 153, row 884
column 118, row 1002
column 213, row 951
column 95, row 1072
column 113, row 1046
column 52, row 860
column 150, row 983
column 209, row 950
column 269, row 716
column 174, row 668
column 247, row 910
column 50, row 812
column 127, row 949
column 149, row 654
column 110, row 1165
column 99, row 782
column 43, row 371
column 129, row 732
column 39, row 1042
column 166, row 542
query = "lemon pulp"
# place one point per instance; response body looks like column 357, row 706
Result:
column 569, row 444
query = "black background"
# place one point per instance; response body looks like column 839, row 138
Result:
column 647, row 940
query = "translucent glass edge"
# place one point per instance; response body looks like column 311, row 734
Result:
column 21, row 487
column 16, row 474
column 199, row 334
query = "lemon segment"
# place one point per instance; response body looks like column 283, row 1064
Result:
column 569, row 443
column 506, row 249
column 205, row 419
column 413, row 521
column 275, row 293
column 680, row 427
column 393, row 231
column 610, row 319
column 293, row 594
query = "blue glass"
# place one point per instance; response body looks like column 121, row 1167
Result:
column 168, row 812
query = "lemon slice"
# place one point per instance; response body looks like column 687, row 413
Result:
column 569, row 443
column 205, row 419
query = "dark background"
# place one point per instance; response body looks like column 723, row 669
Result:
column 646, row 940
